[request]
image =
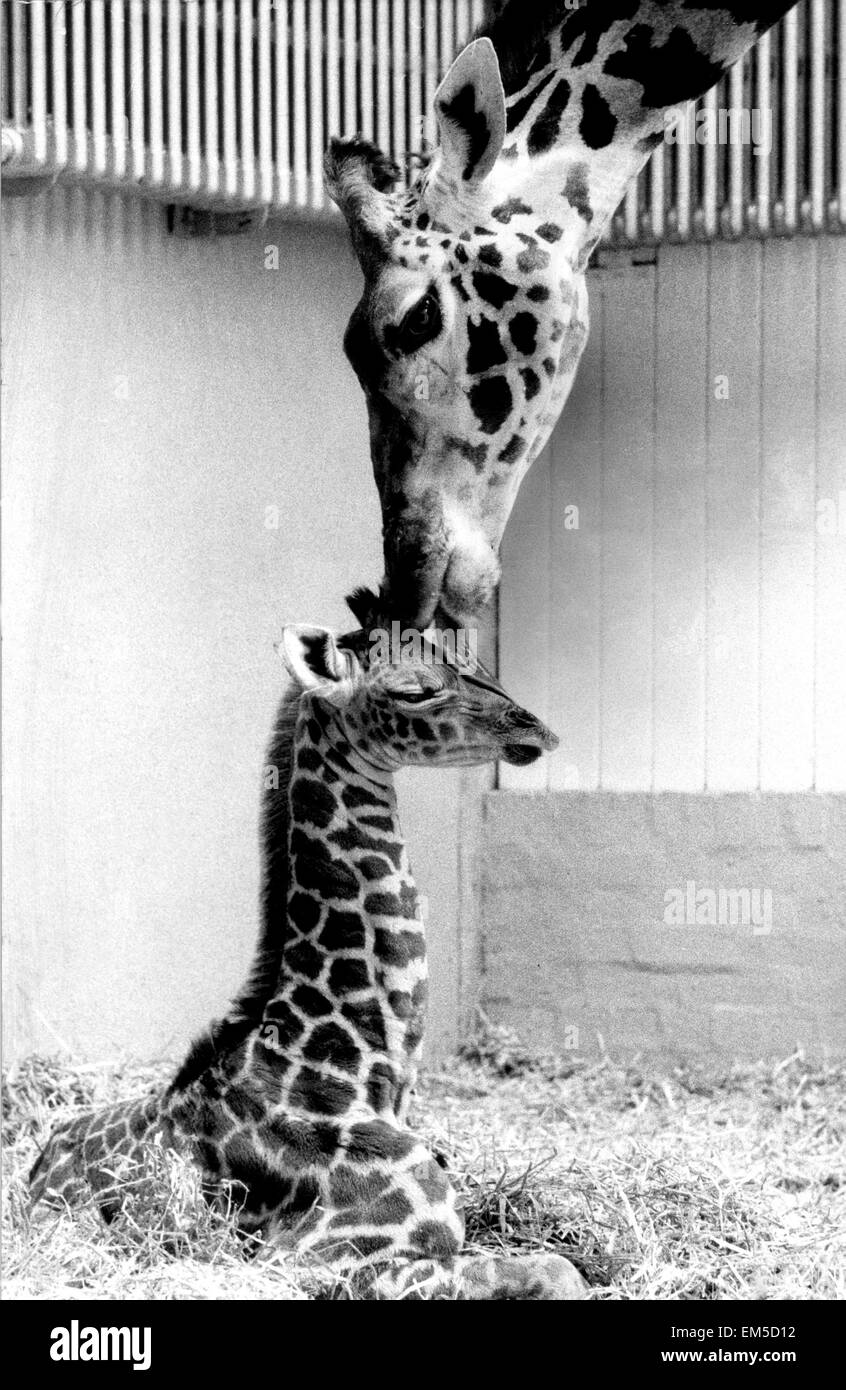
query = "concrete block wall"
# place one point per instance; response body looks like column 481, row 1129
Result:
column 579, row 949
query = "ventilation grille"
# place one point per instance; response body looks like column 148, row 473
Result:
column 229, row 103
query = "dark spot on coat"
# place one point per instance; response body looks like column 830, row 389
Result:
column 401, row 1003
column 288, row 1025
column 349, row 1187
column 316, row 870
column 475, row 454
column 674, row 71
column 354, row 837
column 512, row 207
column 329, row 1042
column 492, row 288
column 391, row 904
column 513, row 449
column 491, row 401
column 378, row 1139
column 374, row 866
column 435, row 1239
column 348, row 974
column 382, row 1086
column 399, row 948
column 523, row 332
column 544, row 131
column 311, row 1001
column 342, row 931
column 302, row 958
column 354, row 797
column 531, row 382
column 576, row 190
column 520, row 108
column 312, row 801
column 366, row 1019
column 485, row 350
column 322, row 1095
column 306, row 1143
column 533, row 258
column 598, row 124
column 490, row 255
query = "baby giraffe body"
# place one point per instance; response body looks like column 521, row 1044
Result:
column 299, row 1097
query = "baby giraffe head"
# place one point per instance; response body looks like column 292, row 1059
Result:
column 412, row 708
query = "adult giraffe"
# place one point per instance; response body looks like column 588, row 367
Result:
column 474, row 313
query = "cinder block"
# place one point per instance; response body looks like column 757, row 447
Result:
column 574, row 892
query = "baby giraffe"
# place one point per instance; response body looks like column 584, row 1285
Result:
column 299, row 1096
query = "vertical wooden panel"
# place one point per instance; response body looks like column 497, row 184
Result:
column 524, row 610
column 732, row 734
column 678, row 707
column 627, row 472
column 574, row 655
column 788, row 515
column 830, row 752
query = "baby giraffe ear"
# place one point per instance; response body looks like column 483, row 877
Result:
column 470, row 107
column 313, row 657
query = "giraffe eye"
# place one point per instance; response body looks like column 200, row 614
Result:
column 415, row 697
column 420, row 325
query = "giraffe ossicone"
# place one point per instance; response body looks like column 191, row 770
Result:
column 474, row 312
column 297, row 1100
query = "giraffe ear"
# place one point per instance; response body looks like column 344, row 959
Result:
column 313, row 657
column 470, row 107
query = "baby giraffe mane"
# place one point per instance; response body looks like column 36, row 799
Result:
column 245, row 1012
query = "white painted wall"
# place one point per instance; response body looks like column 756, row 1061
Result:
column 160, row 395
column 690, row 633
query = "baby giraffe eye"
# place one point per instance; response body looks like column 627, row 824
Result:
column 420, row 324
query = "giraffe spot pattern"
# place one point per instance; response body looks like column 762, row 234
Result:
column 533, row 258
column 493, row 289
column 381, row 1086
column 342, row 931
column 522, row 329
column 329, row 1042
column 376, row 1139
column 544, row 131
column 348, row 975
column 312, row 801
column 311, row 1001
column 485, row 350
column 513, row 449
column 598, row 124
column 320, row 1094
column 399, row 948
column 512, row 207
column 289, row 1026
column 475, row 454
column 518, row 109
column 367, row 1021
column 491, row 401
column 304, row 959
column 576, row 190
column 349, row 1187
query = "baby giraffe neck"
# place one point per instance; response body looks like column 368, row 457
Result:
column 350, row 999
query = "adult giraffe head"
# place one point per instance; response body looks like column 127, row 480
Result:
column 474, row 312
